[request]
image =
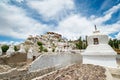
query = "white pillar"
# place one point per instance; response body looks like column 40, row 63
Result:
column 0, row 51
column 30, row 53
column 10, row 51
column 22, row 49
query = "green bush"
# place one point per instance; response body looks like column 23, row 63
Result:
column 41, row 48
column 5, row 48
column 59, row 40
column 15, row 48
column 53, row 50
column 39, row 43
column 45, row 50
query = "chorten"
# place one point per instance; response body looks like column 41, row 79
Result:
column 0, row 50
column 98, row 51
column 22, row 49
column 30, row 53
column 10, row 51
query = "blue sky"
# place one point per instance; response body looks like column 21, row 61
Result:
column 71, row 18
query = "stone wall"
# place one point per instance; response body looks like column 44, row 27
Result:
column 51, row 60
column 11, row 74
column 42, row 65
column 16, row 74
column 78, row 72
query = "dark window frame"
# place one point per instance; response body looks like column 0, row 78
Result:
column 96, row 41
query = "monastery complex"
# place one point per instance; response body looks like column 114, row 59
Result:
column 41, row 57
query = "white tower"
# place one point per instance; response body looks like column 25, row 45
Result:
column 0, row 50
column 98, row 51
column 10, row 51
column 22, row 49
column 30, row 53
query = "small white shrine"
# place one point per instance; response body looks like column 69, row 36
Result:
column 30, row 53
column 22, row 49
column 98, row 51
column 10, row 51
column 0, row 50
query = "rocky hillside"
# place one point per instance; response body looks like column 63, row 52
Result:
column 50, row 41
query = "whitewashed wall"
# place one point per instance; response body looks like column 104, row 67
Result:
column 101, row 49
column 107, row 60
column 51, row 60
column 103, row 39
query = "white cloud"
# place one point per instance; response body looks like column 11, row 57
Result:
column 19, row 0
column 5, row 1
column 107, row 15
column 109, row 29
column 75, row 26
column 10, row 42
column 118, row 36
column 15, row 23
column 51, row 8
column 113, row 9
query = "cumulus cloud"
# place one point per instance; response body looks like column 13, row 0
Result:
column 51, row 8
column 118, row 36
column 15, row 23
column 107, row 15
column 10, row 42
column 19, row 0
column 77, row 25
column 108, row 28
column 113, row 9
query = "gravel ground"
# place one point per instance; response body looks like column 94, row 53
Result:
column 77, row 72
column 4, row 68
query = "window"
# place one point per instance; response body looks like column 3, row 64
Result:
column 96, row 41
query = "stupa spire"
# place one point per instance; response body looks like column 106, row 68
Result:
column 95, row 28
column 96, row 31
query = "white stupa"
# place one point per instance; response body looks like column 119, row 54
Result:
column 22, row 49
column 10, row 51
column 30, row 53
column 98, row 51
column 0, row 50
